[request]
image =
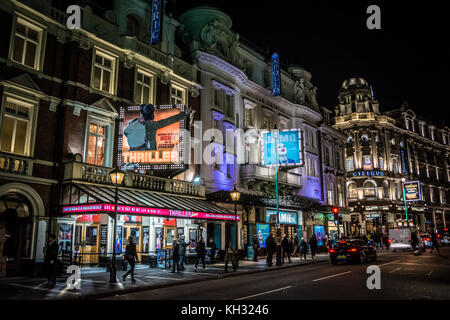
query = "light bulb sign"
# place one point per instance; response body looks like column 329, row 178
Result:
column 288, row 146
column 156, row 22
column 412, row 191
column 276, row 77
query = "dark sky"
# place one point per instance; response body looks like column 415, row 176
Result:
column 407, row 60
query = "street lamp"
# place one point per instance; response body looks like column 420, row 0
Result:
column 116, row 179
column 235, row 195
column 404, row 199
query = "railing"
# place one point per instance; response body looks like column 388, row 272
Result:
column 10, row 163
column 252, row 171
column 58, row 15
column 96, row 174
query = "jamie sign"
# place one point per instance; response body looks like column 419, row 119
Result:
column 289, row 148
column 156, row 22
column 284, row 216
column 368, row 173
column 412, row 191
column 276, row 83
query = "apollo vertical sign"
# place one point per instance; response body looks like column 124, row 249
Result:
column 276, row 83
column 156, row 22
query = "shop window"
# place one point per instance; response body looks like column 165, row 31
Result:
column 96, row 144
column 103, row 73
column 91, row 236
column 177, row 95
column 143, row 90
column 27, row 44
column 16, row 127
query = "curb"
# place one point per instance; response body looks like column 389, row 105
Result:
column 99, row 295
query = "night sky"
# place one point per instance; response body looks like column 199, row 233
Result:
column 404, row 61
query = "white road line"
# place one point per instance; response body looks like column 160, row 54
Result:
column 429, row 274
column 335, row 275
column 394, row 270
column 55, row 290
column 262, row 293
column 385, row 264
column 201, row 272
column 155, row 277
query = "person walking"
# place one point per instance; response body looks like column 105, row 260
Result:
column 175, row 256
column 296, row 245
column 50, row 259
column 229, row 256
column 285, row 245
column 313, row 245
column 386, row 241
column 213, row 250
column 270, row 247
column 200, row 249
column 303, row 248
column 182, row 251
column 414, row 241
column 255, row 249
column 131, row 257
column 435, row 243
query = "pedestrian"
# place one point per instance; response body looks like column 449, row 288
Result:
column 303, row 248
column 182, row 251
column 414, row 241
column 131, row 257
column 229, row 256
column 50, row 259
column 313, row 245
column 270, row 247
column 175, row 256
column 386, row 241
column 278, row 240
column 213, row 250
column 296, row 245
column 255, row 249
column 435, row 243
column 200, row 249
column 285, row 244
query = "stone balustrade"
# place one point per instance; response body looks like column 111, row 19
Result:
column 14, row 164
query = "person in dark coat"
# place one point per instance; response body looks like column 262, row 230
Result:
column 303, row 248
column 230, row 256
column 414, row 241
column 270, row 247
column 50, row 259
column 278, row 240
column 296, row 245
column 175, row 256
column 182, row 251
column 435, row 243
column 255, row 249
column 200, row 249
column 386, row 241
column 285, row 246
column 313, row 245
column 213, row 250
column 131, row 257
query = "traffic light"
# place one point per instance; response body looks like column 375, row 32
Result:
column 336, row 213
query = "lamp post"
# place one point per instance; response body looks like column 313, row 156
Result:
column 404, row 200
column 235, row 195
column 116, row 179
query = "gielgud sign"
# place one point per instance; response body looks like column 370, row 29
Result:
column 151, row 136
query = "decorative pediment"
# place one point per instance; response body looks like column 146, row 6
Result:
column 25, row 82
column 105, row 106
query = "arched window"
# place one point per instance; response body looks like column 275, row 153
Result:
column 352, row 191
column 370, row 189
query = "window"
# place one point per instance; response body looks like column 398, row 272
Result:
column 340, row 196
column 27, row 42
column 266, row 122
column 338, row 160
column 177, row 95
column 330, row 197
column 352, row 191
column 349, row 164
column 327, row 157
column 143, row 93
column 395, row 164
column 311, row 167
column 96, row 144
column 249, row 121
column 229, row 106
column 380, row 163
column 16, row 128
column 103, row 72
column 370, row 189
column 91, row 236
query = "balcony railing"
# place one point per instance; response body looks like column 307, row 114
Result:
column 252, row 171
column 77, row 171
column 10, row 163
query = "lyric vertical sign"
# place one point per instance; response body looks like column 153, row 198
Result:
column 156, row 22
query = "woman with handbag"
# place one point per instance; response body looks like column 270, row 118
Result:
column 130, row 255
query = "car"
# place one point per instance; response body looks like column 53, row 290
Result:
column 445, row 241
column 352, row 250
column 426, row 238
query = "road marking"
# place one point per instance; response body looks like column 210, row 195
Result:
column 394, row 270
column 334, row 275
column 429, row 274
column 201, row 272
column 385, row 264
column 262, row 293
column 55, row 290
column 155, row 277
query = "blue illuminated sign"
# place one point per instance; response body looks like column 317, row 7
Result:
column 284, row 216
column 402, row 155
column 276, row 82
column 156, row 22
column 289, row 148
column 319, row 231
column 368, row 173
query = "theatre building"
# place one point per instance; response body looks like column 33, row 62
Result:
column 383, row 152
column 70, row 113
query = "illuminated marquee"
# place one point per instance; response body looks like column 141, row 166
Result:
column 147, row 211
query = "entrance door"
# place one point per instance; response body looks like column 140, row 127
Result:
column 135, row 231
column 169, row 236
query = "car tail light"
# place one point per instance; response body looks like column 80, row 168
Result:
column 332, row 251
column 352, row 250
column 389, row 240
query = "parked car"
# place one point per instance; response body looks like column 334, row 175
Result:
column 352, row 250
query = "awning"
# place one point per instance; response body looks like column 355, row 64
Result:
column 80, row 198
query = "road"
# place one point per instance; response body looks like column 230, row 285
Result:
column 403, row 276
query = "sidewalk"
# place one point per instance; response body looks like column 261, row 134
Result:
column 95, row 281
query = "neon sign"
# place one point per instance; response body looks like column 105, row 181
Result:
column 147, row 211
column 276, row 83
column 368, row 173
column 156, row 22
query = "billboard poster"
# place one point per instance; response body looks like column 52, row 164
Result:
column 289, row 148
column 65, row 237
column 367, row 162
column 156, row 22
column 284, row 217
column 161, row 258
column 118, row 244
column 152, row 136
column 319, row 231
column 412, row 191
column 276, row 78
column 262, row 233
column 159, row 238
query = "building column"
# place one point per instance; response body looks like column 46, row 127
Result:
column 443, row 219
column 434, row 220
